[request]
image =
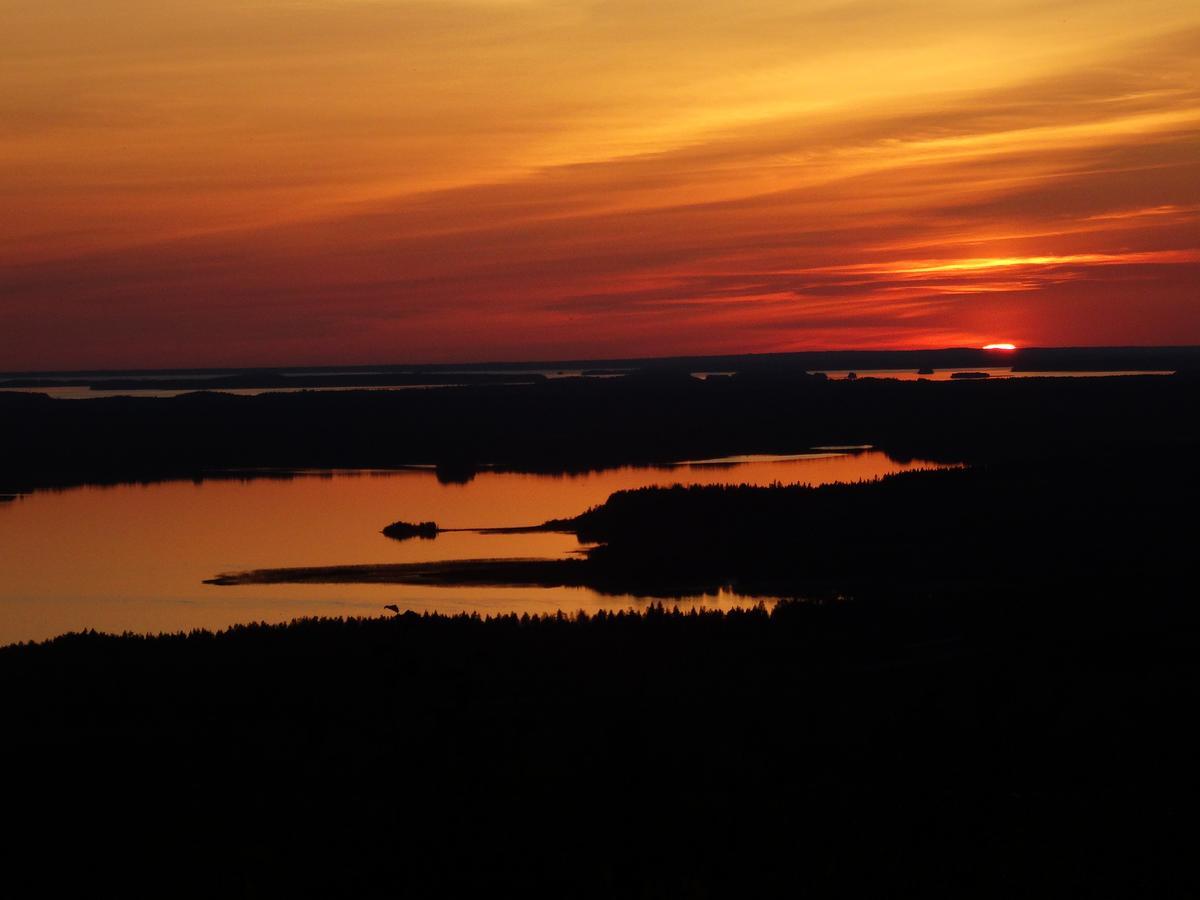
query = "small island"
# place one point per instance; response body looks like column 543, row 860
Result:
column 402, row 531
column 961, row 375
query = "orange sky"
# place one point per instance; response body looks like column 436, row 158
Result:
column 189, row 183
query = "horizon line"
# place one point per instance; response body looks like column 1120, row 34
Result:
column 591, row 362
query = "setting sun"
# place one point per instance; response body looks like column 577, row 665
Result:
column 256, row 182
column 999, row 346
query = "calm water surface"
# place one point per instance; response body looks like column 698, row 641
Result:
column 992, row 372
column 133, row 557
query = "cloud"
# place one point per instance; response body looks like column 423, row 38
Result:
column 364, row 181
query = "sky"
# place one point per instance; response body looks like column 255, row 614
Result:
column 285, row 182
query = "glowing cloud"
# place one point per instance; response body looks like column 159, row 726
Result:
column 264, row 181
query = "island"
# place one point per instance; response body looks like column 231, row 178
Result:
column 402, row 531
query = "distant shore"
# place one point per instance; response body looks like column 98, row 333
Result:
column 658, row 416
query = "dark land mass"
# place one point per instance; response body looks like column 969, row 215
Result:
column 986, row 689
column 891, row 745
column 1034, row 359
column 576, row 424
column 272, row 380
column 268, row 380
column 402, row 531
column 1106, row 359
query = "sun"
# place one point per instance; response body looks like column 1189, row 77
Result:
column 999, row 346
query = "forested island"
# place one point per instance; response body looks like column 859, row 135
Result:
column 403, row 531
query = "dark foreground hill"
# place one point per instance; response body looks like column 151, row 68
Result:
column 865, row 748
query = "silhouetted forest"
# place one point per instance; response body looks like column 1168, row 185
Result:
column 1053, row 521
column 874, row 746
column 576, row 423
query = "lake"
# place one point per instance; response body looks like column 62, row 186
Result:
column 990, row 371
column 133, row 557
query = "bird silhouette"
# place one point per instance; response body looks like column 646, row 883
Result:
column 393, row 607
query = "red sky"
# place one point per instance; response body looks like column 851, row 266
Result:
column 354, row 181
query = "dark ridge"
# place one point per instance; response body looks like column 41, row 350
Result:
column 272, row 380
column 1106, row 359
column 970, row 375
column 1031, row 358
column 580, row 424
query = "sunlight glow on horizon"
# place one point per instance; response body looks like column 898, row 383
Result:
column 260, row 182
